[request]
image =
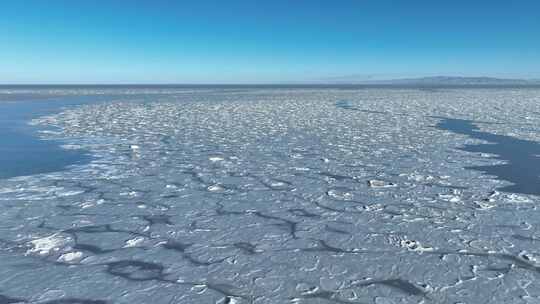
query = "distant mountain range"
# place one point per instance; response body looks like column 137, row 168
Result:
column 448, row 80
column 444, row 80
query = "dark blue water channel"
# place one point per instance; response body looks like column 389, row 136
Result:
column 522, row 157
column 22, row 152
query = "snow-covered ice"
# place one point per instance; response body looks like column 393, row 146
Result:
column 281, row 196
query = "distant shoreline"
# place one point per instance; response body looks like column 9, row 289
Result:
column 266, row 86
column 424, row 82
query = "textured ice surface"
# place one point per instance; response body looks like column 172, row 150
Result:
column 279, row 196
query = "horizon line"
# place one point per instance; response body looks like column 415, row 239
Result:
column 327, row 81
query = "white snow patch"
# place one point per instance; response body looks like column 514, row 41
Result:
column 216, row 159
column 134, row 242
column 70, row 257
column 46, row 245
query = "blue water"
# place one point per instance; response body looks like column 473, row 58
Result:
column 522, row 157
column 22, row 152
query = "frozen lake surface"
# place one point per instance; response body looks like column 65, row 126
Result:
column 267, row 195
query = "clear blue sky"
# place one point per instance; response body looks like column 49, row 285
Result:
column 241, row 41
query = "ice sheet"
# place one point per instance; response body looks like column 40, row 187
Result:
column 278, row 196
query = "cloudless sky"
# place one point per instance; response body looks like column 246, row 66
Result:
column 249, row 41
